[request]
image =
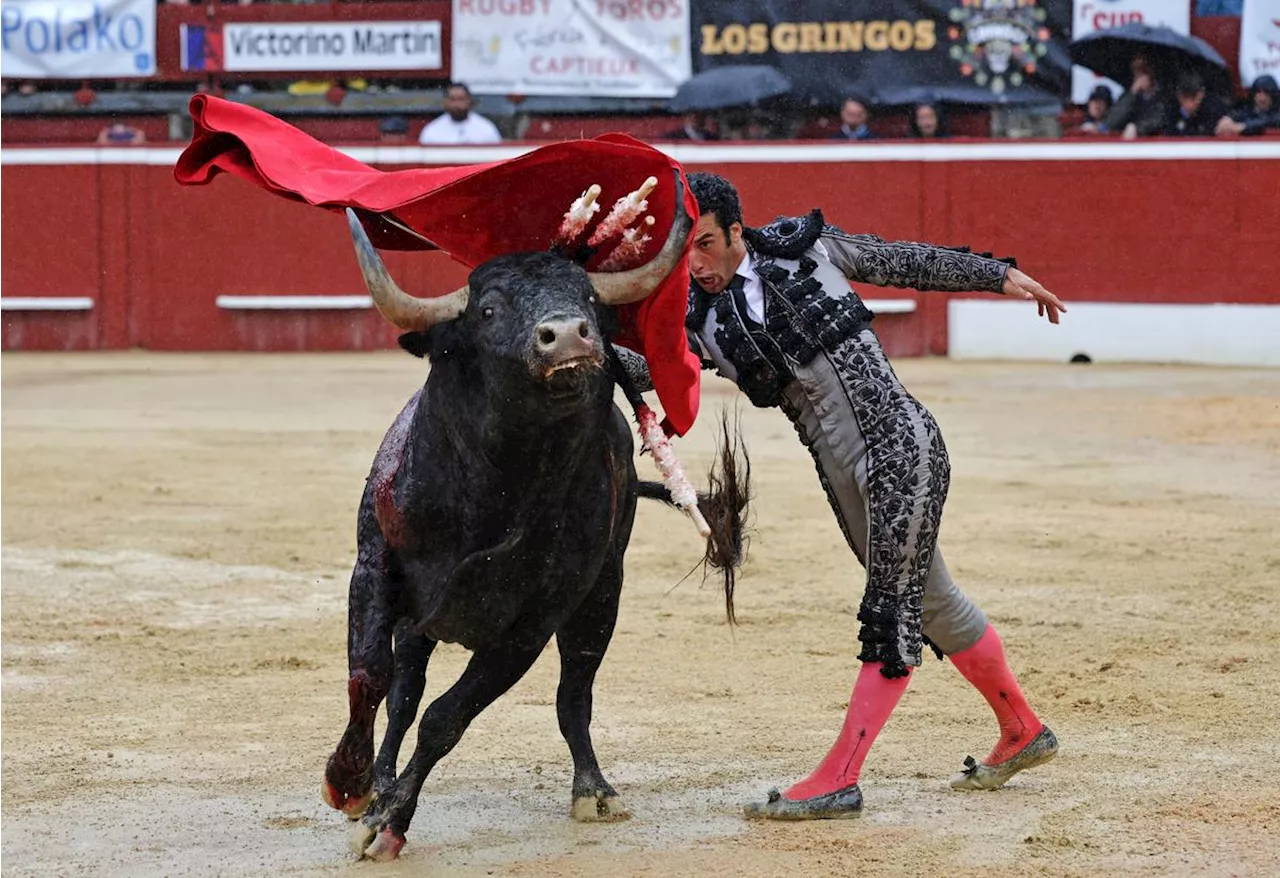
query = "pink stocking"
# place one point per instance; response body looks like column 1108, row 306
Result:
column 984, row 665
column 874, row 698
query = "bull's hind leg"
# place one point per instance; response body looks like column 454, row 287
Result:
column 411, row 654
column 583, row 640
column 348, row 777
column 380, row 833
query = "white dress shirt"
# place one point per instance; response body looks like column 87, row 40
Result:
column 443, row 131
column 753, row 288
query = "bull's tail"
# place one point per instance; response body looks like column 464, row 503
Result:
column 725, row 507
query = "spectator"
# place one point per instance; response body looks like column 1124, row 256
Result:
column 393, row 129
column 1198, row 113
column 759, row 126
column 119, row 133
column 853, row 121
column 1260, row 113
column 927, row 122
column 1095, row 111
column 1145, row 108
column 458, row 124
column 697, row 126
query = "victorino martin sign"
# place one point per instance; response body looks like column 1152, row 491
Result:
column 354, row 45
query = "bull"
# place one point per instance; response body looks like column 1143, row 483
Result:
column 496, row 515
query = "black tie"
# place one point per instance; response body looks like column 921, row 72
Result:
column 738, row 286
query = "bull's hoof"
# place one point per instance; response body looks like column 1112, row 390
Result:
column 600, row 808
column 352, row 806
column 841, row 804
column 370, row 844
column 980, row 776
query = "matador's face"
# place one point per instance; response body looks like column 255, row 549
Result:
column 716, row 254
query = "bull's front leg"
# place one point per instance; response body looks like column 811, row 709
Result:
column 348, row 776
column 411, row 654
column 583, row 640
column 380, row 833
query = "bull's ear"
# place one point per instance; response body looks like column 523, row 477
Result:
column 416, row 343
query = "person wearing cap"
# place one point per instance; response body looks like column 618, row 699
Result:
column 1095, row 111
column 1260, row 113
column 393, row 129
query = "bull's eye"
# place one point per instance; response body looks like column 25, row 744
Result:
column 591, row 299
column 486, row 313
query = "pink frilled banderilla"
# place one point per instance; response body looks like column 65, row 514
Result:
column 630, row 246
column 673, row 476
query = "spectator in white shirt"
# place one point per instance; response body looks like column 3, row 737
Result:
column 457, row 124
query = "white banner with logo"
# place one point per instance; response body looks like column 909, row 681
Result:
column 1095, row 15
column 612, row 48
column 1259, row 40
column 365, row 46
column 77, row 39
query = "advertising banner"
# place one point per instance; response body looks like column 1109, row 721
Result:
column 895, row 51
column 283, row 46
column 1259, row 40
column 77, row 39
column 608, row 48
column 1095, row 15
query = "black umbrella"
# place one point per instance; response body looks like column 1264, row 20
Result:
column 736, row 85
column 1108, row 53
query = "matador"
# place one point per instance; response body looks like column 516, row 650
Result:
column 771, row 309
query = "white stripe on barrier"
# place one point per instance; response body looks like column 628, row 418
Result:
column 293, row 303
column 46, row 303
column 890, row 306
column 993, row 151
column 1116, row 332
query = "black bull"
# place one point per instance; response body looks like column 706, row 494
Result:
column 496, row 515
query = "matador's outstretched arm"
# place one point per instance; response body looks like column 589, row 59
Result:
column 873, row 260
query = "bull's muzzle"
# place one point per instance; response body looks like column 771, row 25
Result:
column 563, row 344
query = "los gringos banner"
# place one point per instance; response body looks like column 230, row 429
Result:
column 895, row 51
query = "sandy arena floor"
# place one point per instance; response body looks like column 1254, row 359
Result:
column 178, row 532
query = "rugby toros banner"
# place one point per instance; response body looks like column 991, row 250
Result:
column 895, row 51
column 609, row 48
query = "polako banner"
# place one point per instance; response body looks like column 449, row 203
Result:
column 895, row 51
column 78, row 39
column 608, row 48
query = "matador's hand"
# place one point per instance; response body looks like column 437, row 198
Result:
column 1020, row 285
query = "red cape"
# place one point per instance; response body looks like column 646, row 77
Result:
column 472, row 212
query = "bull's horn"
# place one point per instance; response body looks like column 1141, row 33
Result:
column 622, row 287
column 403, row 310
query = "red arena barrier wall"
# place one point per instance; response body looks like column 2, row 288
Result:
column 103, row 250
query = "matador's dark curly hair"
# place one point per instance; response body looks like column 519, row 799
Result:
column 716, row 195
